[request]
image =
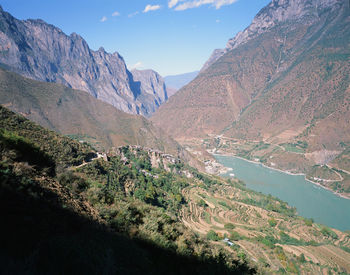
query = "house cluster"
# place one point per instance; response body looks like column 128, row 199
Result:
column 215, row 168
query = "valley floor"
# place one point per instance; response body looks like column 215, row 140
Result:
column 320, row 168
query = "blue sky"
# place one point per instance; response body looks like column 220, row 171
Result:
column 169, row 36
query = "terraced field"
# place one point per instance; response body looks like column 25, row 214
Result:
column 265, row 230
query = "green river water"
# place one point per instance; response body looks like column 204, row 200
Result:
column 310, row 200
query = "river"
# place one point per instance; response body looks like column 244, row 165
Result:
column 310, row 200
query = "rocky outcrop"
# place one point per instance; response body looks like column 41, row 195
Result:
column 43, row 52
column 307, row 11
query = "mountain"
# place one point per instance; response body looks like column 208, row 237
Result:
column 153, row 91
column 280, row 93
column 287, row 72
column 176, row 82
column 43, row 52
column 78, row 114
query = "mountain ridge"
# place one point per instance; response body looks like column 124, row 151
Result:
column 275, row 12
column 41, row 51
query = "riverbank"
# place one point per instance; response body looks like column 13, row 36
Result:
column 286, row 172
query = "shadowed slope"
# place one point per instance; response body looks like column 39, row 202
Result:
column 76, row 113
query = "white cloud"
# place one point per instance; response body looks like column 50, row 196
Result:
column 217, row 21
column 115, row 13
column 133, row 14
column 197, row 3
column 103, row 19
column 151, row 8
column 138, row 65
column 172, row 3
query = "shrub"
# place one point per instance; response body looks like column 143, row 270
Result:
column 229, row 226
column 202, row 203
column 272, row 222
column 326, row 231
column 212, row 235
column 235, row 236
column 309, row 222
column 301, row 258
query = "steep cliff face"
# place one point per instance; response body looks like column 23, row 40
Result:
column 278, row 11
column 43, row 52
column 151, row 88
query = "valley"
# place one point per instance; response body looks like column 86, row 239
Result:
column 290, row 158
column 241, row 167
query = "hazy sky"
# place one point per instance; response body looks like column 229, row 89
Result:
column 169, row 36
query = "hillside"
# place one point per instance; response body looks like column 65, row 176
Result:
column 143, row 207
column 284, row 78
column 38, row 50
column 79, row 115
column 283, row 81
column 66, row 221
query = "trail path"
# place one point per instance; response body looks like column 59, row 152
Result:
column 99, row 155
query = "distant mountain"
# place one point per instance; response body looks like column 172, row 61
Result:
column 151, row 86
column 286, row 75
column 176, row 82
column 43, row 52
column 78, row 114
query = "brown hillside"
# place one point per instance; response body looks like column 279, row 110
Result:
column 78, row 114
column 291, row 78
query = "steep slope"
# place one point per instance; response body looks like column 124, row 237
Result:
column 176, row 82
column 43, row 52
column 288, row 71
column 59, row 221
column 273, row 14
column 76, row 113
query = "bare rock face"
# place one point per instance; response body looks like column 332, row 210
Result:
column 151, row 88
column 43, row 52
column 274, row 13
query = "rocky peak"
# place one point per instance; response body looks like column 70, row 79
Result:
column 43, row 52
column 276, row 12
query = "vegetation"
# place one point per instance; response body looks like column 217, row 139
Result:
column 63, row 150
column 51, row 216
column 212, row 236
column 229, row 226
column 272, row 222
column 326, row 231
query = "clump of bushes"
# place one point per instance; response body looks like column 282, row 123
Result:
column 272, row 222
column 213, row 236
column 229, row 226
column 327, row 232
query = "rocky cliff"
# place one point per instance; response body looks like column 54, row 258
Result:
column 151, row 86
column 43, row 52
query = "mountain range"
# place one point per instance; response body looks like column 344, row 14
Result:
column 38, row 50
